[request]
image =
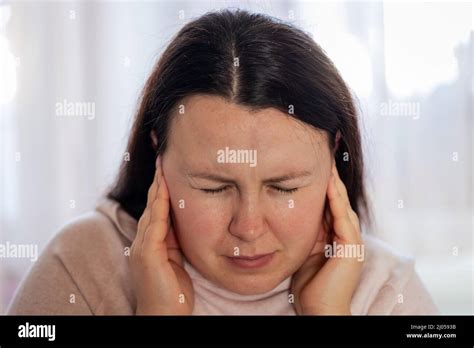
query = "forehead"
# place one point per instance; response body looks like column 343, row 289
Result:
column 211, row 121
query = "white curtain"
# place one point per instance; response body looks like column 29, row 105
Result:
column 412, row 77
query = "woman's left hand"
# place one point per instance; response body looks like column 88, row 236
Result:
column 326, row 285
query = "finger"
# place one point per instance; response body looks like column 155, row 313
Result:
column 328, row 221
column 338, row 201
column 353, row 217
column 142, row 226
column 308, row 269
column 345, row 233
column 323, row 232
column 171, row 240
column 340, row 185
column 157, row 230
column 174, row 250
column 343, row 190
column 305, row 273
column 153, row 190
column 325, row 224
column 144, row 221
column 355, row 221
column 161, row 206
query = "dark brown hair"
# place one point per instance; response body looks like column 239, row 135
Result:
column 255, row 61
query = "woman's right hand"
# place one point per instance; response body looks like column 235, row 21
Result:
column 162, row 286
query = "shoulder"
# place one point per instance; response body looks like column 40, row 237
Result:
column 82, row 270
column 388, row 282
column 93, row 244
column 94, row 254
column 91, row 234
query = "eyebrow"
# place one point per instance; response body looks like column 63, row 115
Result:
column 277, row 179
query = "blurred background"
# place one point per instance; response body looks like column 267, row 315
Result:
column 409, row 65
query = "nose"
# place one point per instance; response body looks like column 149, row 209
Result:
column 247, row 221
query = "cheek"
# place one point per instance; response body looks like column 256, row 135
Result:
column 298, row 221
column 198, row 222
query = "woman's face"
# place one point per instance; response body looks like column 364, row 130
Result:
column 271, row 202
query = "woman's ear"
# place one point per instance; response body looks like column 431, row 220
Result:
column 154, row 140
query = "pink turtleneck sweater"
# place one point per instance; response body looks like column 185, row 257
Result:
column 84, row 270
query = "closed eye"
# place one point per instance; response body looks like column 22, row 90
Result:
column 286, row 191
column 217, row 190
column 224, row 188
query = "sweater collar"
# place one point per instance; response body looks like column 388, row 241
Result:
column 201, row 284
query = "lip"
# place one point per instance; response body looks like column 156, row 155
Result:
column 255, row 261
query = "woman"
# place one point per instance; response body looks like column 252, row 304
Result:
column 243, row 193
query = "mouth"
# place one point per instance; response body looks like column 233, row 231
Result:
column 254, row 261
